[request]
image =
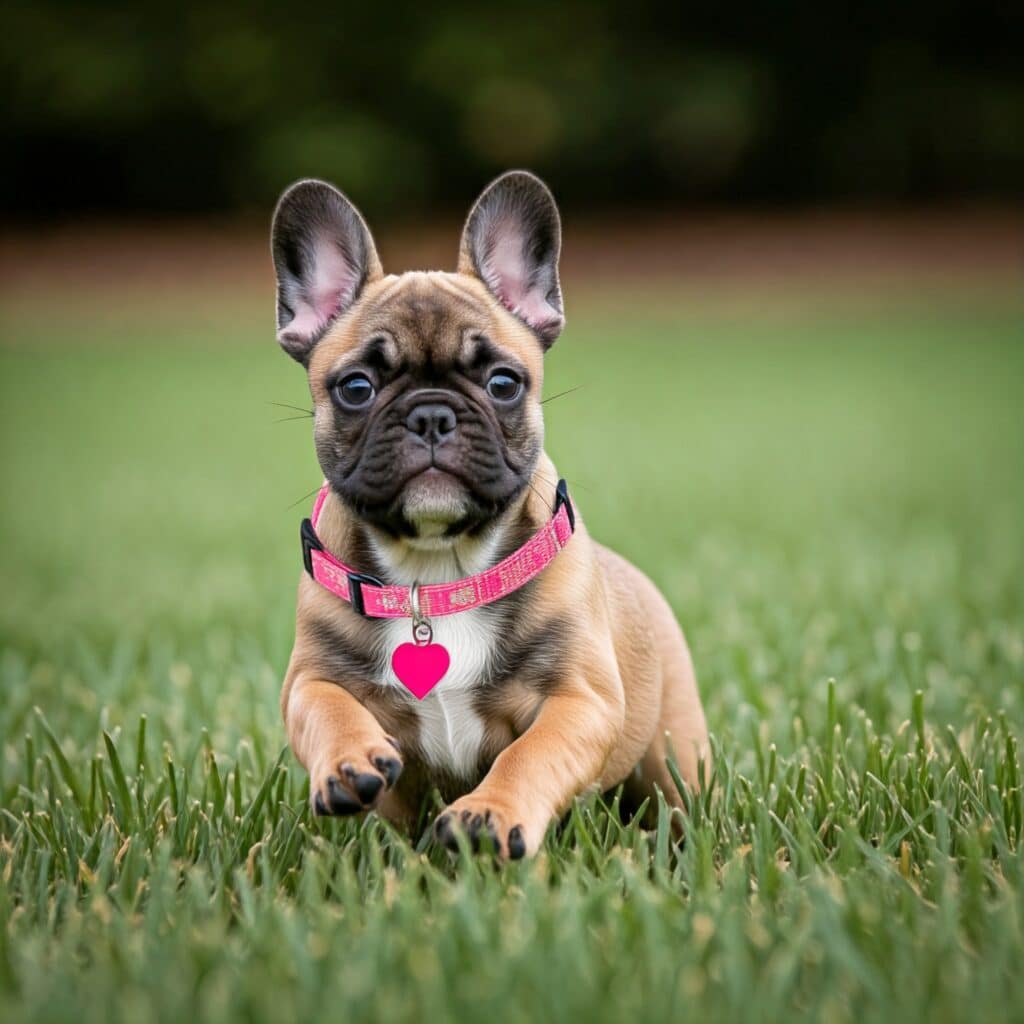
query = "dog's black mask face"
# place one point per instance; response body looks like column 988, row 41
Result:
column 426, row 385
column 428, row 428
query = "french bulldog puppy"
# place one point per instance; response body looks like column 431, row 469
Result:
column 443, row 546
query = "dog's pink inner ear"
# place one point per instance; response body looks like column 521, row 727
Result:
column 509, row 275
column 511, row 242
column 328, row 289
column 323, row 255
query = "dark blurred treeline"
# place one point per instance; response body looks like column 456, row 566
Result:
column 204, row 106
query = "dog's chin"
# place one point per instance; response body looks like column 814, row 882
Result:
column 433, row 502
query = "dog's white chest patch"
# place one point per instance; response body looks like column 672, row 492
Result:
column 451, row 732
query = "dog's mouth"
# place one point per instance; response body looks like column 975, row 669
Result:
column 433, row 500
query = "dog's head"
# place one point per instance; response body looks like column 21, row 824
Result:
column 426, row 386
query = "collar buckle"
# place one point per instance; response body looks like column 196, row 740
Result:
column 562, row 498
column 310, row 543
column 355, row 590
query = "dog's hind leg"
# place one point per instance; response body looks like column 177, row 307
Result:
column 681, row 731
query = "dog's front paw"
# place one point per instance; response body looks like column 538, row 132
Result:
column 484, row 823
column 348, row 783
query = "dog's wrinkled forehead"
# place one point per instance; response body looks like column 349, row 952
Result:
column 427, row 321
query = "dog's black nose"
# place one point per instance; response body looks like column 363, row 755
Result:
column 433, row 421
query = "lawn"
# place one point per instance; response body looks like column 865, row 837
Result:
column 832, row 497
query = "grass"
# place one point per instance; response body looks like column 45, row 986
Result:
column 832, row 502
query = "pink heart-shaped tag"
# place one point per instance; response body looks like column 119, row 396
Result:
column 420, row 666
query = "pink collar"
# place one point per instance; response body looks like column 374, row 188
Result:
column 371, row 597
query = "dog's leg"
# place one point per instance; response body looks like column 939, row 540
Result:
column 682, row 732
column 534, row 779
column 351, row 761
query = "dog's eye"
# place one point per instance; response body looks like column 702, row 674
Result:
column 504, row 386
column 354, row 391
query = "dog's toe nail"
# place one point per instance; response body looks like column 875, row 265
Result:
column 367, row 786
column 443, row 830
column 390, row 767
column 342, row 802
column 516, row 843
column 318, row 803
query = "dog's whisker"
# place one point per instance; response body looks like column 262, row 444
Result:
column 535, row 491
column 295, row 408
column 561, row 394
column 545, row 480
column 288, row 419
column 576, row 485
column 305, row 497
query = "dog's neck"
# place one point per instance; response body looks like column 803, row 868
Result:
column 436, row 560
column 408, row 560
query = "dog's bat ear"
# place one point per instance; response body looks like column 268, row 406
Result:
column 323, row 256
column 511, row 241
